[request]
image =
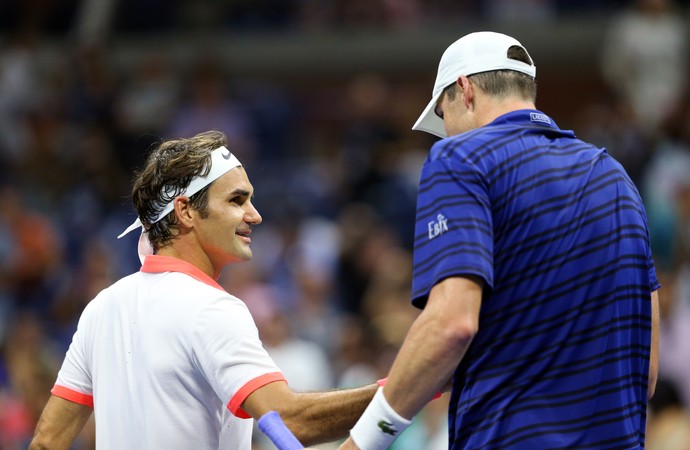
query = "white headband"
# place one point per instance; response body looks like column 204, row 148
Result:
column 222, row 161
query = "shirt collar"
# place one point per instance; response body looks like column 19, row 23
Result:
column 529, row 116
column 160, row 264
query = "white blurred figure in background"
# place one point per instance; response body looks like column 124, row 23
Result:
column 644, row 60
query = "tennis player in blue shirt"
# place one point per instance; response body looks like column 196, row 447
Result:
column 533, row 268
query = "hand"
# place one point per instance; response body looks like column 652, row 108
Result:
column 348, row 445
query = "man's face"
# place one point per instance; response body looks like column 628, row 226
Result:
column 452, row 109
column 224, row 233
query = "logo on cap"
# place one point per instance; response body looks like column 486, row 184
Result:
column 226, row 153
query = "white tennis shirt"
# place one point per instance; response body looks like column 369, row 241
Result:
column 166, row 357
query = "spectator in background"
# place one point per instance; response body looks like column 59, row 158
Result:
column 92, row 86
column 19, row 92
column 305, row 364
column 530, row 11
column 669, row 421
column 208, row 103
column 674, row 330
column 645, row 61
column 365, row 237
column 145, row 105
column 95, row 269
column 359, row 352
column 31, row 360
column 666, row 191
column 32, row 248
column 312, row 259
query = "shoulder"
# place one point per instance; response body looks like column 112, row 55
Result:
column 472, row 151
column 124, row 286
column 472, row 145
column 222, row 317
column 176, row 288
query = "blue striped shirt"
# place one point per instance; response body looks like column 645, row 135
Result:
column 557, row 231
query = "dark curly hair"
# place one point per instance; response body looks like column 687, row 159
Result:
column 168, row 170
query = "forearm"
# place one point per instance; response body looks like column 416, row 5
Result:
column 433, row 348
column 435, row 345
column 60, row 423
column 654, row 351
column 326, row 416
column 424, row 365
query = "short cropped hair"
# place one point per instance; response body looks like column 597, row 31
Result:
column 503, row 83
column 168, row 170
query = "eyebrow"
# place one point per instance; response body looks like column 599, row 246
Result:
column 240, row 191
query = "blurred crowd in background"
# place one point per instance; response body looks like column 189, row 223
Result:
column 334, row 165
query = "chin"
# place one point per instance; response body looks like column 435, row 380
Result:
column 238, row 257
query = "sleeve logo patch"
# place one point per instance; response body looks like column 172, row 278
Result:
column 437, row 227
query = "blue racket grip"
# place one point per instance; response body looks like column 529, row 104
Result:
column 273, row 426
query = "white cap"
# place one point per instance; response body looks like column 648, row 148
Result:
column 474, row 53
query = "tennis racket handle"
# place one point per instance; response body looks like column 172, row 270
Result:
column 273, row 426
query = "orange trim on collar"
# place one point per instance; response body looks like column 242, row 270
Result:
column 160, row 264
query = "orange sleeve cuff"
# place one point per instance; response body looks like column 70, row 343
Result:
column 72, row 395
column 235, row 403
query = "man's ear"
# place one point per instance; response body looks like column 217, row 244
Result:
column 183, row 211
column 466, row 90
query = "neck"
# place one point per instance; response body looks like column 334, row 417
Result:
column 180, row 249
column 493, row 108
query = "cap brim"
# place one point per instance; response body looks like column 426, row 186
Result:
column 429, row 121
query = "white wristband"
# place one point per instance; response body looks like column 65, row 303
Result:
column 379, row 425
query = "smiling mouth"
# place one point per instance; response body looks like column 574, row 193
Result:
column 244, row 234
